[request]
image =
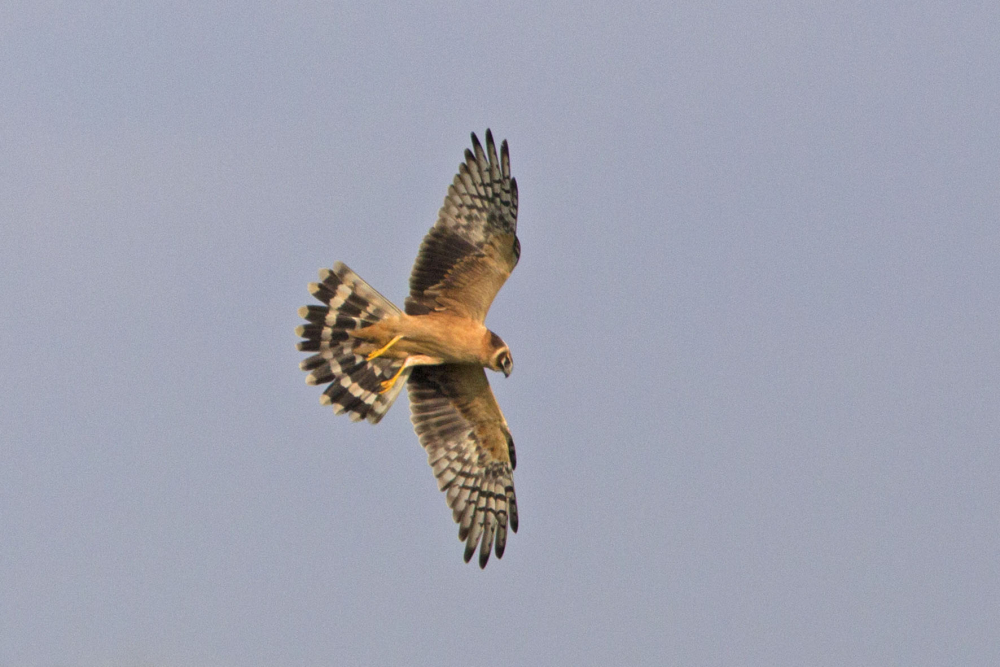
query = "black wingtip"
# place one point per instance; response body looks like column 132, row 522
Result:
column 501, row 541
column 485, row 548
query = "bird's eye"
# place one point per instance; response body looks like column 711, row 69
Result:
column 506, row 362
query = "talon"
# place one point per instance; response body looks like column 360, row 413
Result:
column 382, row 350
column 387, row 384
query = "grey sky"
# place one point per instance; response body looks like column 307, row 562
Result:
column 755, row 329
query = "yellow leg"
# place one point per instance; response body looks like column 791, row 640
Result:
column 382, row 350
column 387, row 384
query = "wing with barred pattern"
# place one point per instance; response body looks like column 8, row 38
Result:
column 468, row 254
column 470, row 448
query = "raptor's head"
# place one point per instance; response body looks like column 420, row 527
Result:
column 500, row 359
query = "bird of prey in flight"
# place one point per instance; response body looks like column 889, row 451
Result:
column 365, row 349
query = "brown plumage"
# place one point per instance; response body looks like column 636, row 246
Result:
column 366, row 348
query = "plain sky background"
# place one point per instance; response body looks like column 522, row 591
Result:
column 756, row 332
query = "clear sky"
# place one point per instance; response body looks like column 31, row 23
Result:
column 755, row 328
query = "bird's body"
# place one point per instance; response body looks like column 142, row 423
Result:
column 443, row 336
column 366, row 349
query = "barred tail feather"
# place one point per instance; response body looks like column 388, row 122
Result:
column 348, row 303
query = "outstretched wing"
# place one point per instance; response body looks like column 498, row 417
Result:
column 468, row 254
column 470, row 449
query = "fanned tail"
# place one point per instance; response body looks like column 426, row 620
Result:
column 354, row 381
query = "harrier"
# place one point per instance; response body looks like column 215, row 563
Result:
column 365, row 348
